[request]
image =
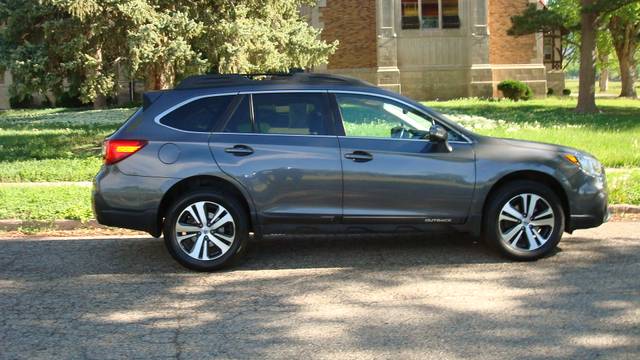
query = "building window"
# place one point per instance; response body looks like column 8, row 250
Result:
column 430, row 14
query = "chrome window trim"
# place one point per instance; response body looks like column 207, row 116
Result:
column 261, row 134
column 159, row 117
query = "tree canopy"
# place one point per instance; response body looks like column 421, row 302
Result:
column 53, row 45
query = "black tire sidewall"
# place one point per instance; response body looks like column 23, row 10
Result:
column 499, row 199
column 241, row 230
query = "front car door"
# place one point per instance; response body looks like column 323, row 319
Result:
column 391, row 174
column 283, row 149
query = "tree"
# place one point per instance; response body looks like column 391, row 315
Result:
column 624, row 27
column 48, row 43
column 585, row 15
column 604, row 48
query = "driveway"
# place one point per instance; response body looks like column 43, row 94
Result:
column 323, row 298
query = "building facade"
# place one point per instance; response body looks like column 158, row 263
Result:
column 431, row 49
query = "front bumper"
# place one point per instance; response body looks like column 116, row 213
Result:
column 589, row 205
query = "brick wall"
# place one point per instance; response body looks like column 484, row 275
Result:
column 353, row 23
column 505, row 49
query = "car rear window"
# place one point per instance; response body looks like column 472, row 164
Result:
column 199, row 115
column 292, row 113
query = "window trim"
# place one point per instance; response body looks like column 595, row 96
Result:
column 440, row 18
column 337, row 121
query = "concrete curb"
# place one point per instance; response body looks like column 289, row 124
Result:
column 14, row 225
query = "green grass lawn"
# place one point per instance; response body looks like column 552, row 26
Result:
column 614, row 87
column 24, row 202
column 54, row 144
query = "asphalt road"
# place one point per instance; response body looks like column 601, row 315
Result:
column 323, row 299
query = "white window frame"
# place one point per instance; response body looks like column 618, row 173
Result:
column 440, row 17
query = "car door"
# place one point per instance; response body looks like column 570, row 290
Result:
column 391, row 174
column 283, row 149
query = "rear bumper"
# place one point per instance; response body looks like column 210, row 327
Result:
column 146, row 221
column 129, row 202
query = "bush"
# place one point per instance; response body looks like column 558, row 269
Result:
column 21, row 102
column 549, row 91
column 566, row 92
column 69, row 99
column 515, row 90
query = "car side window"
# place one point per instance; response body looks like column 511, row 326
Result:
column 240, row 120
column 370, row 116
column 292, row 113
column 199, row 115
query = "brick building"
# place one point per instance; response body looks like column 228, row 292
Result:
column 429, row 49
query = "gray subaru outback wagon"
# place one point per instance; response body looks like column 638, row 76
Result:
column 220, row 157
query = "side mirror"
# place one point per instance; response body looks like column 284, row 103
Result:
column 439, row 136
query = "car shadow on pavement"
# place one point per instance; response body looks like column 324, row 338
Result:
column 405, row 297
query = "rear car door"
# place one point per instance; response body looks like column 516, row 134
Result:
column 393, row 175
column 283, row 149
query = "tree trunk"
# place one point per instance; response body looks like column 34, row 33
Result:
column 624, row 34
column 604, row 74
column 587, row 89
column 159, row 77
column 100, row 102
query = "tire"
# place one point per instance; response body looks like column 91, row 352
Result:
column 523, row 235
column 209, row 248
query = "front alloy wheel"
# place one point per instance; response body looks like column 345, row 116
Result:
column 524, row 220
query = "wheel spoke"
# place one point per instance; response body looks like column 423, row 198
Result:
column 533, row 201
column 531, row 238
column 512, row 211
column 539, row 237
column 187, row 228
column 224, row 237
column 202, row 213
column 225, row 219
column 511, row 233
column 194, row 215
column 197, row 247
column 543, row 222
column 220, row 244
column 185, row 237
column 217, row 214
column 507, row 217
column 543, row 214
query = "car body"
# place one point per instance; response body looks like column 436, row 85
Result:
column 293, row 162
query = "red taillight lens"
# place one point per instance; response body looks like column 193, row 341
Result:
column 118, row 150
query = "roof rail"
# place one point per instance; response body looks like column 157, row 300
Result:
column 221, row 80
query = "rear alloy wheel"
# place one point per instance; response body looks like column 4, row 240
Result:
column 525, row 220
column 205, row 231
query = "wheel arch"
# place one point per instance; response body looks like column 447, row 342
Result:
column 532, row 175
column 204, row 182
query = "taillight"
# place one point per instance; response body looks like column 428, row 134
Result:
column 118, row 150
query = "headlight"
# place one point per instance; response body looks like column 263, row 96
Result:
column 590, row 165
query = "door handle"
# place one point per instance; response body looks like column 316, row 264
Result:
column 239, row 150
column 359, row 156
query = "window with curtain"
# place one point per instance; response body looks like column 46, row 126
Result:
column 430, row 14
